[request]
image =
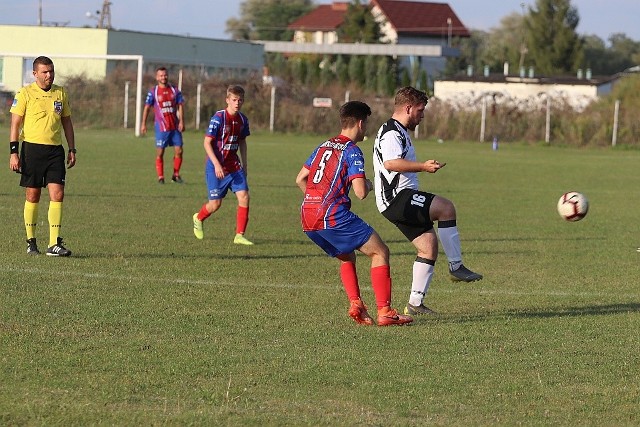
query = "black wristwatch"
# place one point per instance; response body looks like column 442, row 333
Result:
column 73, row 150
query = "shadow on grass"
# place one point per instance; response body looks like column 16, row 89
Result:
column 512, row 239
column 533, row 239
column 204, row 254
column 531, row 313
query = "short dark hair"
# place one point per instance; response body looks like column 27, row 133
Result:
column 410, row 96
column 41, row 60
column 353, row 111
column 161, row 69
column 235, row 90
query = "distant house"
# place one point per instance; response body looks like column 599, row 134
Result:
column 401, row 23
column 523, row 92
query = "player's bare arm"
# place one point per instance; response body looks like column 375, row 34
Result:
column 14, row 135
column 242, row 147
column 301, row 179
column 208, row 148
column 361, row 187
column 432, row 166
column 403, row 165
column 69, row 134
column 145, row 115
column 181, row 118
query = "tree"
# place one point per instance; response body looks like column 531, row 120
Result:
column 267, row 19
column 504, row 44
column 359, row 26
column 627, row 50
column 385, row 76
column 341, row 70
column 553, row 46
column 596, row 55
column 356, row 70
column 370, row 73
column 471, row 52
column 326, row 73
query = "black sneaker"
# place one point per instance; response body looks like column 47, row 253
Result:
column 160, row 180
column 58, row 249
column 413, row 310
column 463, row 274
column 32, row 247
column 177, row 179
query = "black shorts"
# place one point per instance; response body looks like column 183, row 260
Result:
column 409, row 211
column 41, row 164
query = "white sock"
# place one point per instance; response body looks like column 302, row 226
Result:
column 448, row 234
column 422, row 275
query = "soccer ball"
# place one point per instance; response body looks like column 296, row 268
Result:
column 573, row 206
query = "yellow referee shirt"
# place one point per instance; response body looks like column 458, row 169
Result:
column 42, row 112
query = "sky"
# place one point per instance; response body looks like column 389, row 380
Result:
column 207, row 18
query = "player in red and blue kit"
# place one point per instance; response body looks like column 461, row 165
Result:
column 167, row 103
column 326, row 178
column 226, row 135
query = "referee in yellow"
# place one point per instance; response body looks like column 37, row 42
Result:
column 39, row 111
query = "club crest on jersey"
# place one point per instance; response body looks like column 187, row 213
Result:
column 57, row 107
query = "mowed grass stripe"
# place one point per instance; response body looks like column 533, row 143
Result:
column 454, row 289
column 146, row 325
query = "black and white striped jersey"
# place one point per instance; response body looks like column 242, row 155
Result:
column 392, row 142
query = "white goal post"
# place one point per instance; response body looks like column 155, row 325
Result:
column 138, row 58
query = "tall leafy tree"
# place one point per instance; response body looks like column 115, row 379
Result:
column 627, row 50
column 267, row 19
column 342, row 70
column 596, row 55
column 356, row 70
column 553, row 46
column 471, row 49
column 359, row 26
column 504, row 44
column 386, row 76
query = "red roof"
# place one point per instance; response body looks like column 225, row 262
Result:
column 406, row 17
column 421, row 18
column 326, row 17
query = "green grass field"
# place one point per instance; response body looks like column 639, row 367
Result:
column 145, row 325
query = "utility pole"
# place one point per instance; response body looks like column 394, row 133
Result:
column 523, row 45
column 39, row 13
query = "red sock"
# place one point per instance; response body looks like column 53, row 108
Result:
column 177, row 163
column 242, row 219
column 204, row 213
column 159, row 167
column 381, row 283
column 350, row 280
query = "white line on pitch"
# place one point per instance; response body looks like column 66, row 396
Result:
column 468, row 288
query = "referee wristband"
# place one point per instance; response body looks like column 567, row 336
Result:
column 14, row 147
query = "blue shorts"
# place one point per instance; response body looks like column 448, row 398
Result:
column 344, row 238
column 172, row 138
column 218, row 188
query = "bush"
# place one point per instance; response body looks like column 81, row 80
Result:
column 99, row 104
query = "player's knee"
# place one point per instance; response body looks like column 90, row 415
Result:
column 384, row 251
column 445, row 209
column 213, row 205
column 243, row 199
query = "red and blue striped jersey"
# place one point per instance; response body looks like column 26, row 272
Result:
column 227, row 130
column 332, row 166
column 165, row 101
